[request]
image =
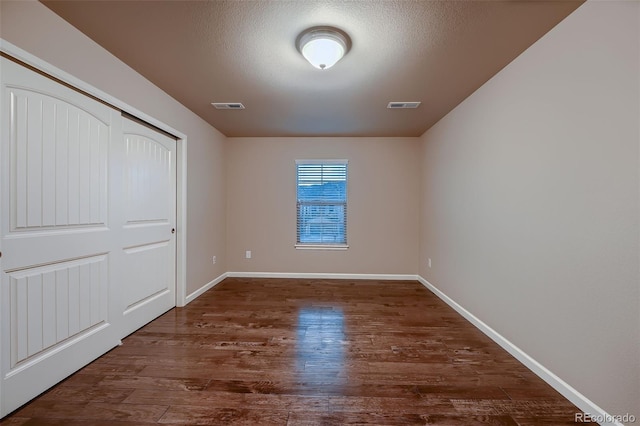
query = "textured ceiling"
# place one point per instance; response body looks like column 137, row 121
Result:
column 199, row 52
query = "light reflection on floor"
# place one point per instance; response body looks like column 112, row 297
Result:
column 320, row 347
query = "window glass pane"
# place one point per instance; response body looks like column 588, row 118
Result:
column 322, row 203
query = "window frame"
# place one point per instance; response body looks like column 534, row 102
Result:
column 322, row 245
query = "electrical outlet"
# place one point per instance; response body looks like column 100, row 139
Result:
column 247, row 254
column 429, row 262
column 213, row 259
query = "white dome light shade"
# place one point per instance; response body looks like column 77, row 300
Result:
column 323, row 53
column 323, row 46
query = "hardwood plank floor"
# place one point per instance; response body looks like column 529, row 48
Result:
column 304, row 352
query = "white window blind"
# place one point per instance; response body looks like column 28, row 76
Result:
column 322, row 202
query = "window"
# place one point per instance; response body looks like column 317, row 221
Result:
column 322, row 203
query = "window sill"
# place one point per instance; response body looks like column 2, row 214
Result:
column 321, row 246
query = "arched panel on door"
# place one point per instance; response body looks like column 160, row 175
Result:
column 58, row 298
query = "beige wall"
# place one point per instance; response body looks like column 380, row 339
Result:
column 34, row 28
column 531, row 203
column 382, row 205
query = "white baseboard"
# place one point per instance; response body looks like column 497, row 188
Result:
column 580, row 401
column 191, row 297
column 334, row 276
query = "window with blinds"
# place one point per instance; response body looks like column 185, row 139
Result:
column 321, row 202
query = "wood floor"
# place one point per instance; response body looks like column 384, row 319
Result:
column 304, row 352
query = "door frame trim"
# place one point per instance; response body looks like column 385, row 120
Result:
column 181, row 149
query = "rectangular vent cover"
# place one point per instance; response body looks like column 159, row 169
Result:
column 403, row 105
column 232, row 105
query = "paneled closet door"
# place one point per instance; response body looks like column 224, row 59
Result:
column 147, row 227
column 58, row 296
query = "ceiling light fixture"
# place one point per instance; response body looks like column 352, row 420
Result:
column 323, row 46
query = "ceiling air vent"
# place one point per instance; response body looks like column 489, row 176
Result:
column 403, row 105
column 232, row 105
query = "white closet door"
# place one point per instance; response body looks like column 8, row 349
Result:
column 58, row 299
column 148, row 225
